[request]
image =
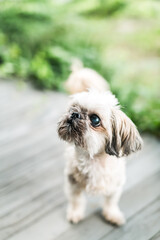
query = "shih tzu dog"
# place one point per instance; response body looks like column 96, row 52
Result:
column 99, row 136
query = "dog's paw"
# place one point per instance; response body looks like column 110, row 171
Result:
column 114, row 216
column 75, row 216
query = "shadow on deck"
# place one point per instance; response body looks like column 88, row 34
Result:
column 32, row 202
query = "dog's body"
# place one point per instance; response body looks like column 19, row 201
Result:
column 99, row 136
column 99, row 175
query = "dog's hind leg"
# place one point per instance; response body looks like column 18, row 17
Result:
column 111, row 211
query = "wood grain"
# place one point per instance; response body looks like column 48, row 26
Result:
column 32, row 201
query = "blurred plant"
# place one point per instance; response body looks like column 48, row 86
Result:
column 35, row 42
column 118, row 38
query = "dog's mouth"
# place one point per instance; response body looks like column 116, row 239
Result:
column 72, row 129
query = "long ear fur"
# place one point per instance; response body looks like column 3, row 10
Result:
column 125, row 138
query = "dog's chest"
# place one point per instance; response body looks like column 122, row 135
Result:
column 100, row 175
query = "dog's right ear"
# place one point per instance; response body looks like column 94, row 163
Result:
column 125, row 137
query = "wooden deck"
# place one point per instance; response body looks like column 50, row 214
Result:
column 32, row 202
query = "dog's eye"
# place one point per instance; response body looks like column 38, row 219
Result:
column 95, row 120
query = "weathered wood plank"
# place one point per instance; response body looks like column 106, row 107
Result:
column 47, row 227
column 33, row 171
column 25, row 158
column 14, row 189
column 28, row 215
column 33, row 134
column 156, row 236
column 93, row 226
column 37, row 112
column 33, row 184
column 129, row 204
column 143, row 164
column 22, row 128
column 9, row 158
column 32, row 202
column 142, row 226
column 16, row 176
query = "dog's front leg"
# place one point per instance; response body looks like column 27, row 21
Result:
column 111, row 211
column 76, row 200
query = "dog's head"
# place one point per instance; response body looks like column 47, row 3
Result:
column 95, row 123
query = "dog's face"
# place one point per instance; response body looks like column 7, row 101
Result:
column 95, row 123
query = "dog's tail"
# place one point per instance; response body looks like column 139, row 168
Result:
column 76, row 65
column 81, row 79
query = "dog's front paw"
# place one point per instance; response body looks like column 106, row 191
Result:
column 75, row 215
column 114, row 216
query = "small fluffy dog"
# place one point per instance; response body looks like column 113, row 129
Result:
column 99, row 136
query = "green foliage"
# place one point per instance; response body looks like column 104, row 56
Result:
column 107, row 8
column 118, row 38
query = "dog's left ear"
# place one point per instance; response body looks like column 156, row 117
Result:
column 125, row 137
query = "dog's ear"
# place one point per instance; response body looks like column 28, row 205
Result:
column 125, row 137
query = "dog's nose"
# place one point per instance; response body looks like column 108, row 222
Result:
column 75, row 115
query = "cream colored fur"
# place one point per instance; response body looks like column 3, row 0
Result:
column 98, row 167
column 81, row 79
column 105, row 175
